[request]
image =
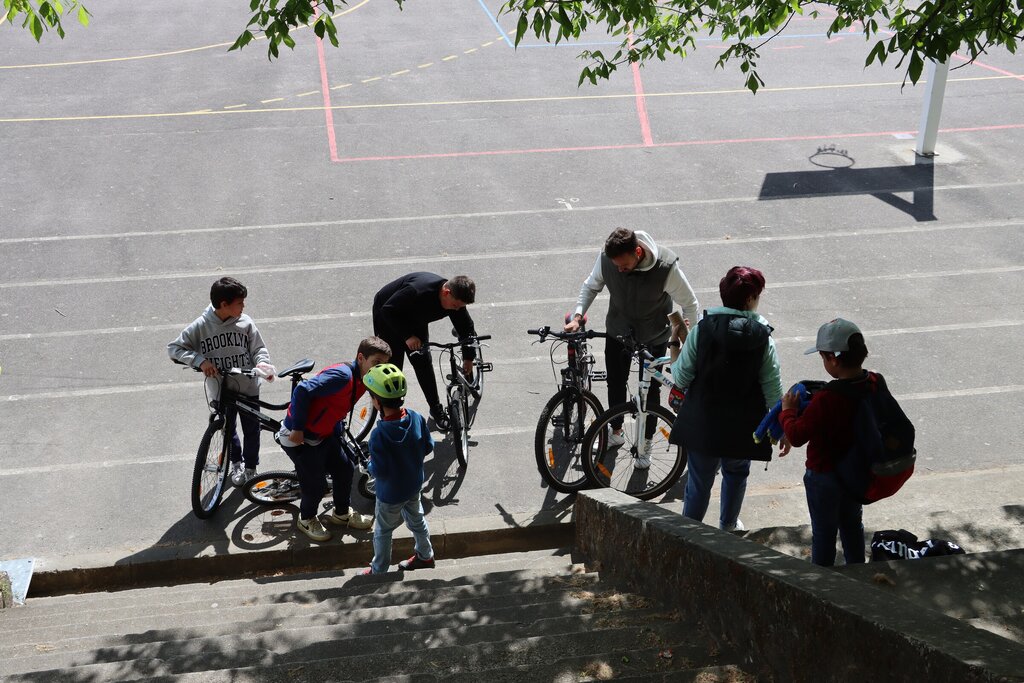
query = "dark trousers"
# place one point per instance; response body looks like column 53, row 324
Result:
column 247, row 450
column 833, row 511
column 312, row 463
column 617, row 360
column 422, row 363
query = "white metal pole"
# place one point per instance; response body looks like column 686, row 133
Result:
column 935, row 92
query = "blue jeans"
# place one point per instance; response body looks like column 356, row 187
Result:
column 312, row 463
column 701, row 477
column 389, row 517
column 833, row 511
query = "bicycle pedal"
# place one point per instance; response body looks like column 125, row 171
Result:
column 486, row 367
column 599, row 376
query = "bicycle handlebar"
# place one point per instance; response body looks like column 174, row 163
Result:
column 546, row 331
column 467, row 341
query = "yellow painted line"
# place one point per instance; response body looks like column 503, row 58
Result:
column 273, row 99
column 157, row 54
column 307, row 94
column 399, row 73
column 371, row 80
column 472, row 49
column 449, row 57
column 339, row 87
column 512, row 100
column 236, row 106
column 424, row 66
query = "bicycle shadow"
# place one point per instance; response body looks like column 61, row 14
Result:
column 442, row 477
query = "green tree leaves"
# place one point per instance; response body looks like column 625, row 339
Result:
column 38, row 16
column 655, row 29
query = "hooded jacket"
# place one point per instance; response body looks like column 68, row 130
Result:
column 231, row 343
column 732, row 374
column 397, row 449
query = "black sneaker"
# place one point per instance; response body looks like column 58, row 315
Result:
column 440, row 418
column 415, row 562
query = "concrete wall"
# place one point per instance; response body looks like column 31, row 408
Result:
column 793, row 621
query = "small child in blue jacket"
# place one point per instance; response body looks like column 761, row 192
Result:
column 398, row 445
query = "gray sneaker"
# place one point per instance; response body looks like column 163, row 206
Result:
column 643, row 458
column 237, row 473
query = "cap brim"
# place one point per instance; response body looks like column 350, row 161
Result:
column 813, row 349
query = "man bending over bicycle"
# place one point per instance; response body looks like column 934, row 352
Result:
column 402, row 311
column 309, row 435
column 643, row 280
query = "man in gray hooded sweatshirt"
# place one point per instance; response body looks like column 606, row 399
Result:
column 224, row 337
column 643, row 280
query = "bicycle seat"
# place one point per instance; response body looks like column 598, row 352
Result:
column 300, row 368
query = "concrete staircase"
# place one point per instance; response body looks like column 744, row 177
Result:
column 518, row 617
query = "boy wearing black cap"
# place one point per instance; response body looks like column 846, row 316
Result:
column 827, row 427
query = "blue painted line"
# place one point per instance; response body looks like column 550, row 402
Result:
column 496, row 24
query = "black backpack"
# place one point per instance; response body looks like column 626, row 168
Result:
column 882, row 455
column 903, row 545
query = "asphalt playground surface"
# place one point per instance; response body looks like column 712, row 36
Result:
column 141, row 161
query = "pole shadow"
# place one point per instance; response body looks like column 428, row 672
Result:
column 838, row 177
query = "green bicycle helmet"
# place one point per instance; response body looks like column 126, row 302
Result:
column 386, row 381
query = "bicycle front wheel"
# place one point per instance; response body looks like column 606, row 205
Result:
column 273, row 488
column 646, row 465
column 558, row 444
column 459, row 427
column 362, row 417
column 211, row 469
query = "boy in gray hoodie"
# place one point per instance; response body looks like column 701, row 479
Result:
column 223, row 337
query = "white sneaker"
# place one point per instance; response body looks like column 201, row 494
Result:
column 615, row 439
column 314, row 529
column 237, row 473
column 353, row 519
column 643, row 458
column 738, row 526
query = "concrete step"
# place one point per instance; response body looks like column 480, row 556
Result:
column 986, row 589
column 976, row 530
column 323, row 660
column 534, row 563
column 266, row 613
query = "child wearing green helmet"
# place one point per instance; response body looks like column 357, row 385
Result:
column 398, row 445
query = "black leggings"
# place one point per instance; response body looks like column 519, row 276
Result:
column 617, row 363
column 422, row 363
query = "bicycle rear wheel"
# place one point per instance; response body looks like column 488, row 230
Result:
column 558, row 444
column 459, row 427
column 622, row 467
column 362, row 417
column 211, row 468
column 273, row 488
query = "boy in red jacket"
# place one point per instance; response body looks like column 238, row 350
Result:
column 309, row 436
column 826, row 426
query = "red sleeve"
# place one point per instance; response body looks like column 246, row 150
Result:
column 815, row 418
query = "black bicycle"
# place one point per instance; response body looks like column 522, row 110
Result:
column 569, row 413
column 277, row 487
column 460, row 389
column 211, row 467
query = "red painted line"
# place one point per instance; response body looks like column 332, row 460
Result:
column 641, row 102
column 990, row 68
column 683, row 143
column 332, row 142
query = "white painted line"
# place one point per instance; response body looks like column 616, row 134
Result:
column 424, row 66
column 103, row 464
column 525, row 360
column 399, row 73
column 462, row 258
column 957, row 393
column 338, row 87
column 577, row 211
column 307, row 94
column 275, row 99
column 449, row 58
column 371, row 80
